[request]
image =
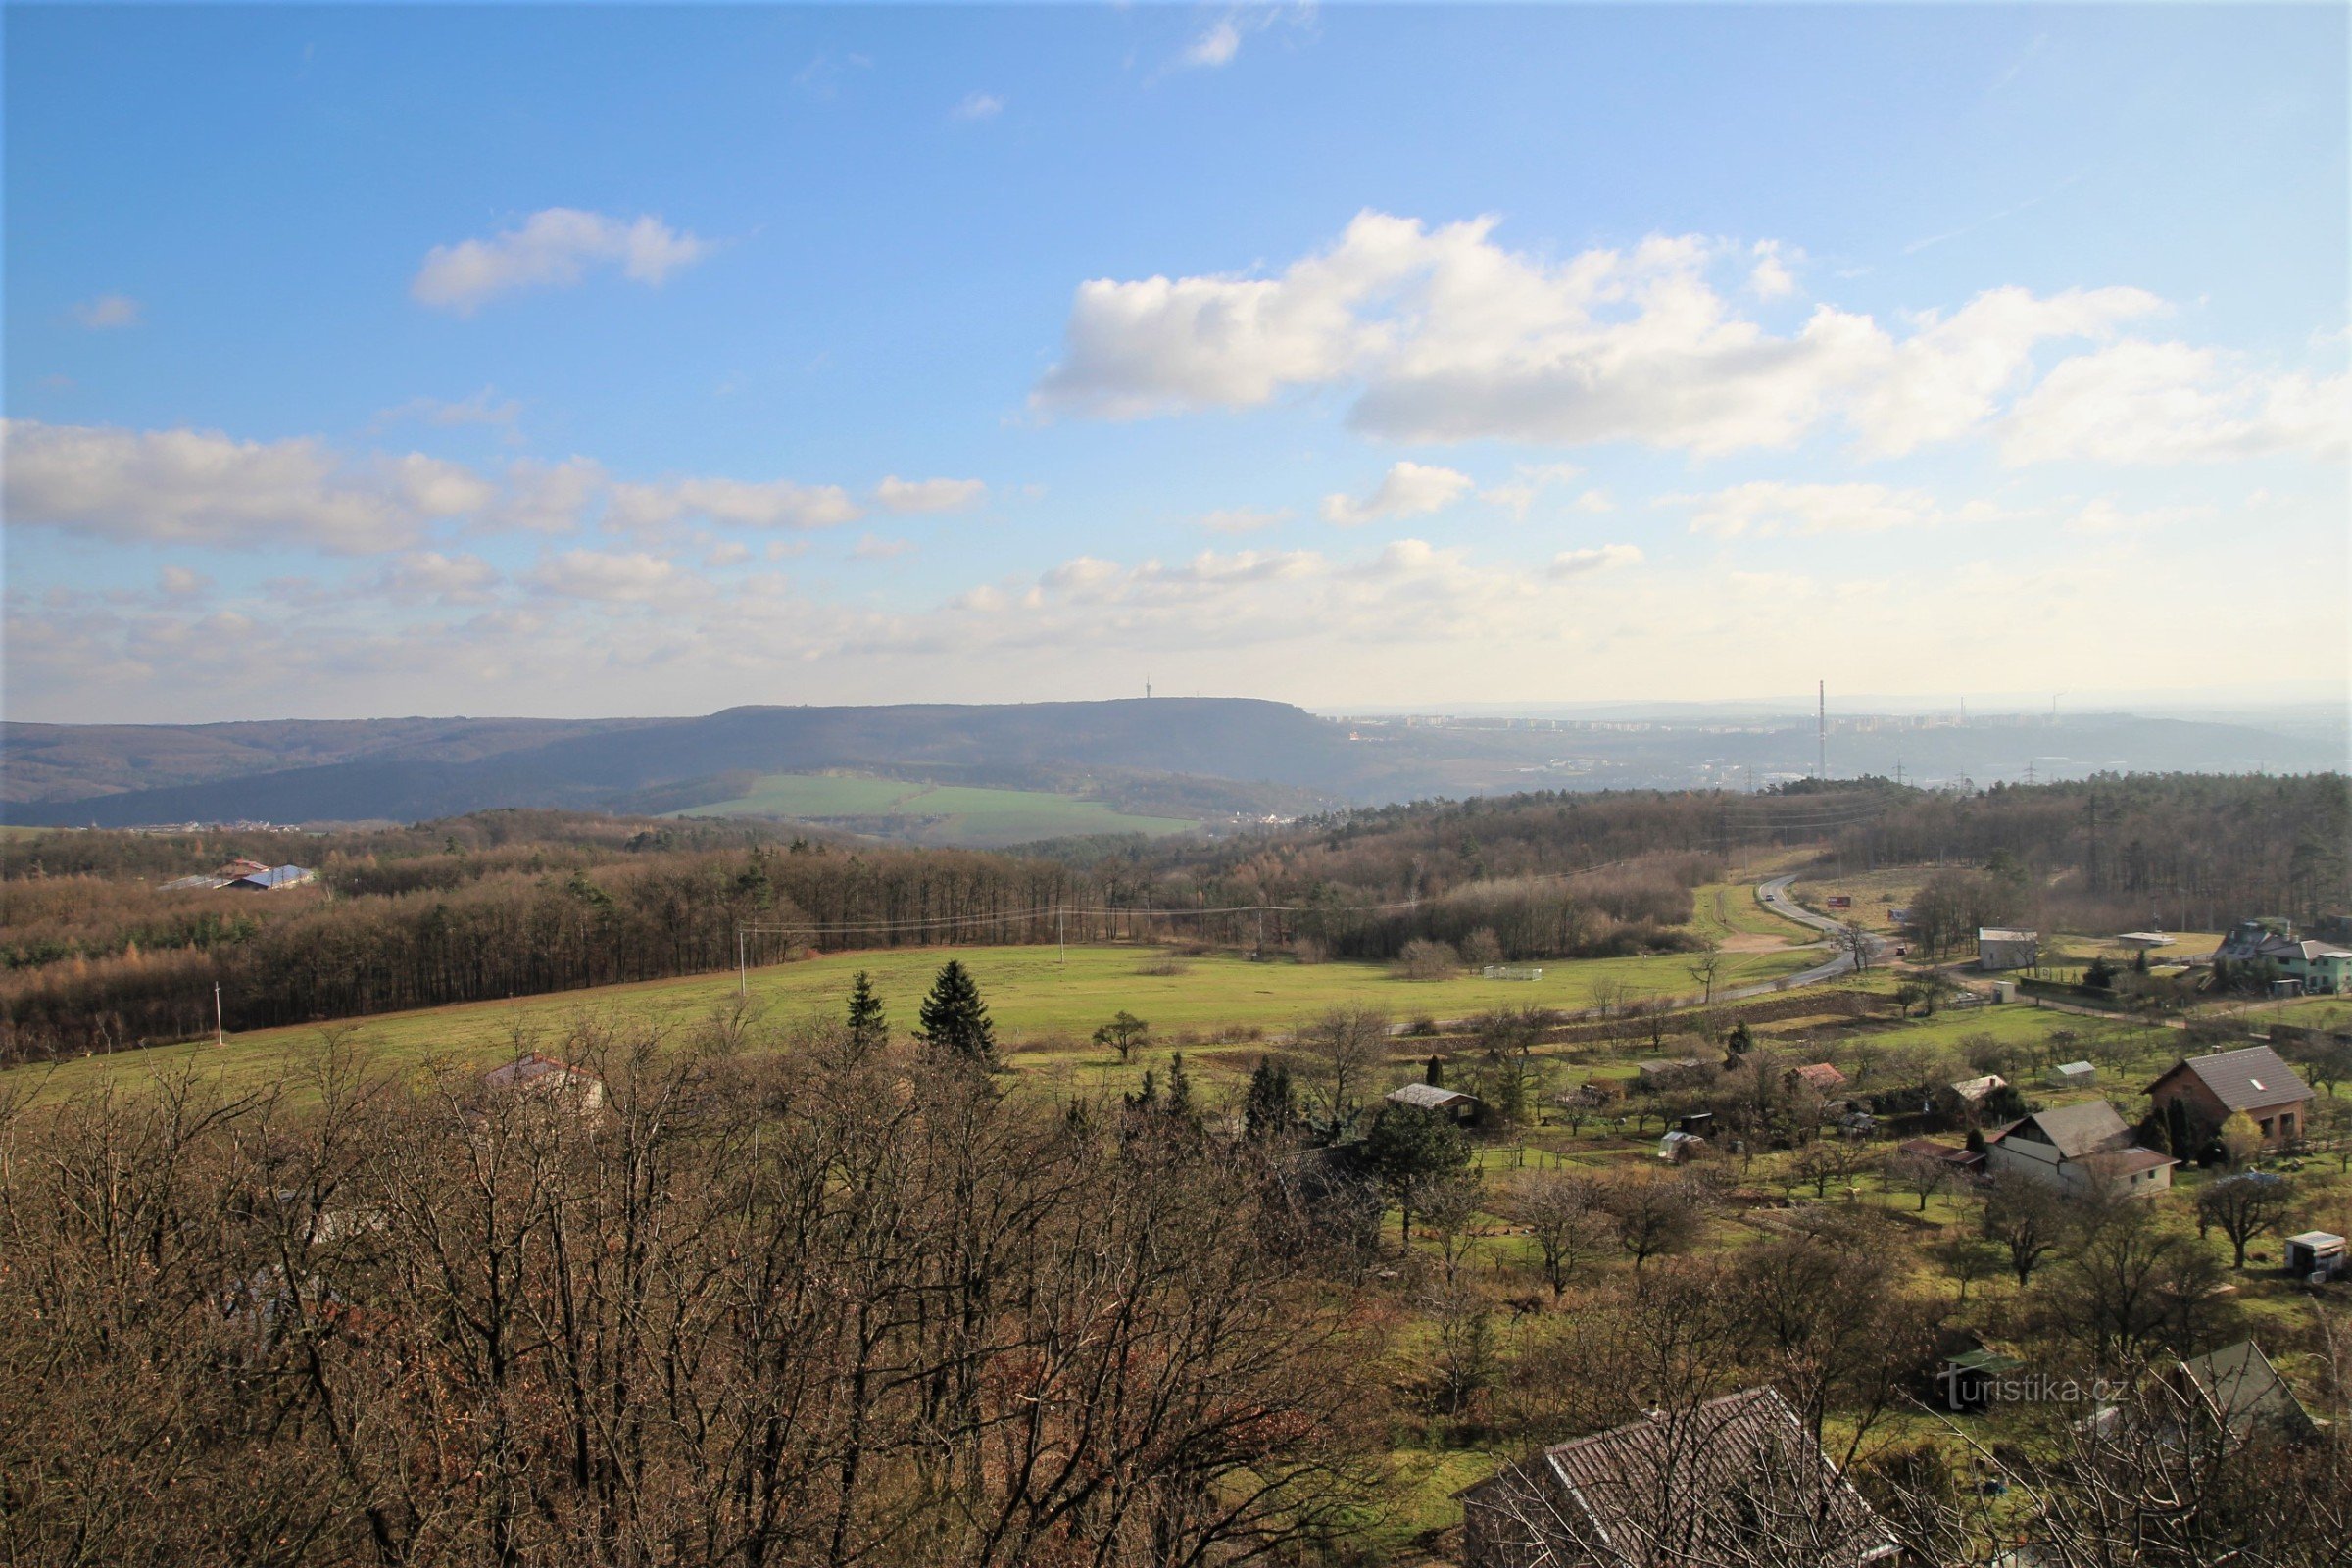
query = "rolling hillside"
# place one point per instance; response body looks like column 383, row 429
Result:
column 67, row 776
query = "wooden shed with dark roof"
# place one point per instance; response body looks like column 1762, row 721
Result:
column 2254, row 1080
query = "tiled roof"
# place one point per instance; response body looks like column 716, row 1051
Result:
column 2089, row 1128
column 1670, row 1487
column 2244, row 1080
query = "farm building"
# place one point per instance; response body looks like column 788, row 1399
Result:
column 1822, row 1077
column 2145, row 940
column 2000, row 948
column 2315, row 1253
column 2078, row 1149
column 1431, row 1097
column 2323, row 967
column 1684, row 1483
column 1972, row 1091
column 1668, row 1072
column 2072, row 1075
column 271, row 879
column 2253, row 1080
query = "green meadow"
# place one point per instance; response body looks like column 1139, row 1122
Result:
column 1045, row 1003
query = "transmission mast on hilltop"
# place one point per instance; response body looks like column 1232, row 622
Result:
column 1821, row 768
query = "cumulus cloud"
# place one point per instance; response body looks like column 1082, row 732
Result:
column 1447, row 335
column 553, row 248
column 2136, row 402
column 1599, row 558
column 1951, row 373
column 182, row 582
column 874, row 548
column 775, row 503
column 550, row 498
column 1408, row 490
column 1765, row 508
column 200, row 486
column 428, row 574
column 606, row 577
column 978, row 106
column 895, row 494
column 1770, row 278
column 109, row 312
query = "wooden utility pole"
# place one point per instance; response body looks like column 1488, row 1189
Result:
column 219, row 1035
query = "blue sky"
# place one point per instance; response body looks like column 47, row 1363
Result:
column 649, row 360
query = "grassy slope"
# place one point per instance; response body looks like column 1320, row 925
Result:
column 1038, row 1001
column 972, row 817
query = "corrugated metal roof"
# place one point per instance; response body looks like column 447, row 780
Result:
column 1430, row 1096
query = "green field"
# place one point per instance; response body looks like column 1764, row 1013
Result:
column 1044, row 1007
column 935, row 813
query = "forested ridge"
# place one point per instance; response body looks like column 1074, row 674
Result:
column 519, row 902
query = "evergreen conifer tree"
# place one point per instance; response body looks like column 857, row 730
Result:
column 956, row 1020
column 870, row 1029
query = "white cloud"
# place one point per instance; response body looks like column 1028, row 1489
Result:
column 1447, row 336
column 895, row 494
column 2137, row 402
column 182, row 582
column 1595, row 500
column 1770, row 280
column 2102, row 518
column 1408, row 490
column 550, row 498
column 1765, row 508
column 603, row 577
column 483, row 407
column 1215, row 45
column 1530, row 481
column 552, row 249
column 1950, row 374
column 109, row 312
column 978, row 106
column 429, row 575
column 874, row 548
column 1600, row 558
column 201, row 486
column 1245, row 519
column 776, row 504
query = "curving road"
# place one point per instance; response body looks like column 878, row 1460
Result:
column 1774, row 896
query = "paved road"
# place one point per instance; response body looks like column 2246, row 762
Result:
column 1773, row 894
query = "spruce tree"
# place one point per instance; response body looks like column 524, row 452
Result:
column 1180, row 1089
column 1269, row 1109
column 870, row 1029
column 956, row 1020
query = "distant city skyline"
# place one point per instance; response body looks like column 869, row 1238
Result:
column 584, row 361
